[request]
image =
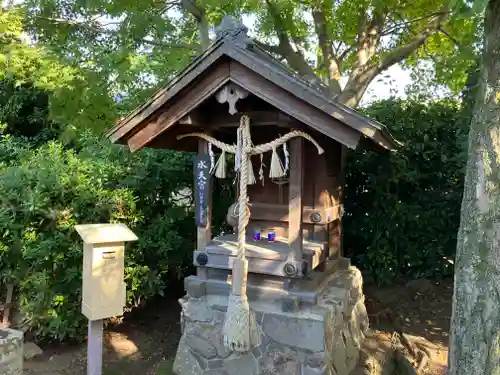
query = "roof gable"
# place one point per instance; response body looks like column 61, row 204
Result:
column 234, row 57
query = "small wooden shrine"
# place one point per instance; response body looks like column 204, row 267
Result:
column 233, row 80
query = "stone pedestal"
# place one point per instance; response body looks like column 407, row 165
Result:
column 11, row 352
column 313, row 340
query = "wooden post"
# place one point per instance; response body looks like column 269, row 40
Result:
column 204, row 234
column 94, row 347
column 295, row 235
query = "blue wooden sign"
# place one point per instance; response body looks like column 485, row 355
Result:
column 201, row 188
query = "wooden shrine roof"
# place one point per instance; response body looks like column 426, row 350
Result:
column 234, row 57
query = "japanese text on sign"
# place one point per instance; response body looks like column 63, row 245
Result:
column 202, row 187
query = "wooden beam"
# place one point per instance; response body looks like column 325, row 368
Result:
column 222, row 120
column 293, row 106
column 162, row 96
column 295, row 235
column 279, row 212
column 192, row 98
column 311, row 95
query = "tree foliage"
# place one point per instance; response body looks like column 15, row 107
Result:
column 77, row 97
column 122, row 50
column 403, row 209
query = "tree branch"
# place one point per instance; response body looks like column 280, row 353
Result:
column 344, row 54
column 294, row 58
column 369, row 38
column 101, row 29
column 199, row 14
column 329, row 61
column 192, row 47
column 360, row 79
column 400, row 53
column 457, row 43
column 169, row 5
column 405, row 24
column 270, row 48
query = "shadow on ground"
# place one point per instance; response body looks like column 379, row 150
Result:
column 146, row 342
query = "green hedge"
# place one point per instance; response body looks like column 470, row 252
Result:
column 403, row 209
column 45, row 191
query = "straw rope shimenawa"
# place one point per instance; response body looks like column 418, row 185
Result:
column 240, row 328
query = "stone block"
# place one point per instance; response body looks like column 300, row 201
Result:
column 256, row 352
column 201, row 346
column 290, row 303
column 316, row 360
column 264, row 340
column 202, row 362
column 211, row 333
column 185, row 362
column 219, row 318
column 31, row 350
column 194, row 288
column 241, row 364
column 215, row 364
column 344, row 263
column 296, row 332
column 279, row 360
column 196, row 310
column 306, row 370
column 305, row 340
column 259, row 315
column 11, row 352
column 216, row 372
column 219, row 308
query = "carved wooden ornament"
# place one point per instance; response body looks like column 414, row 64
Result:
column 231, row 93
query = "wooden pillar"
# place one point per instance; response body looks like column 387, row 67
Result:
column 340, row 189
column 204, row 234
column 334, row 228
column 295, row 235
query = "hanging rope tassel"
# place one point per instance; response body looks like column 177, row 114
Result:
column 276, row 170
column 240, row 328
column 220, row 167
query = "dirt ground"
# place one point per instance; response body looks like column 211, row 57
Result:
column 421, row 309
column 146, row 342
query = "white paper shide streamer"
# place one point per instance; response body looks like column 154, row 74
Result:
column 212, row 157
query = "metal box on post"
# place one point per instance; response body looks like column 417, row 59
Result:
column 103, row 286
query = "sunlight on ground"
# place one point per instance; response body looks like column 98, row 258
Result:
column 122, row 346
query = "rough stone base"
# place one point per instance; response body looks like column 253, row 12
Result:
column 323, row 339
column 11, row 352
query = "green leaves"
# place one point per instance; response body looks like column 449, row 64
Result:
column 119, row 52
column 403, row 209
column 46, row 190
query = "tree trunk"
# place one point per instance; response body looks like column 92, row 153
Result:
column 475, row 323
